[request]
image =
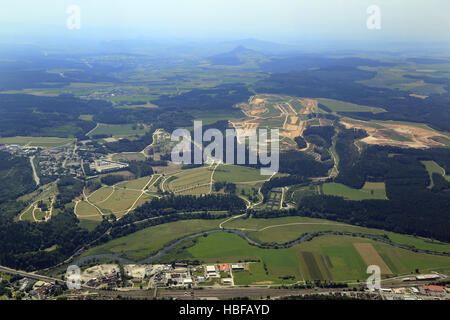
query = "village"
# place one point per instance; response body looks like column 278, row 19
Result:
column 177, row 275
column 183, row 281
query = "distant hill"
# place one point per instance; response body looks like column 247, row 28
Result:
column 238, row 56
column 266, row 47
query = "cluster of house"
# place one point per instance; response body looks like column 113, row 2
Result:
column 109, row 281
column 434, row 290
column 20, row 150
column 181, row 274
column 41, row 290
column 413, row 292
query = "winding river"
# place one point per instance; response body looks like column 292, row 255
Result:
column 303, row 238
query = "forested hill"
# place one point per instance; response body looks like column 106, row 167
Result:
column 412, row 208
column 31, row 115
column 16, row 177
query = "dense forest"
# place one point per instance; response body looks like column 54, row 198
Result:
column 30, row 115
column 411, row 208
column 217, row 202
column 303, row 164
column 16, row 177
column 68, row 189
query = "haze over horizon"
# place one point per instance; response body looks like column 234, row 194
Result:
column 282, row 21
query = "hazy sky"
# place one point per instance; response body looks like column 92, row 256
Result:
column 282, row 20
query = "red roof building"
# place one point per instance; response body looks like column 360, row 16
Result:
column 434, row 290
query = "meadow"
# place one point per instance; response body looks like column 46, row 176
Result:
column 433, row 167
column 190, row 181
column 141, row 244
column 342, row 106
column 238, row 174
column 325, row 258
column 117, row 199
column 370, row 190
column 281, row 230
column 118, row 130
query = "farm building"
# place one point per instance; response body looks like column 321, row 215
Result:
column 434, row 290
column 211, row 271
column 224, row 267
column 427, row 277
column 238, row 266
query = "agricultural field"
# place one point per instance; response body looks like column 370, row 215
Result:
column 342, row 106
column 43, row 142
column 370, row 190
column 86, row 211
column 100, row 195
column 325, row 258
column 119, row 130
column 127, row 156
column 194, row 181
column 393, row 78
column 118, row 199
column 136, row 184
column 238, row 174
column 281, row 230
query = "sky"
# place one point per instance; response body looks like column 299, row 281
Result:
column 284, row 21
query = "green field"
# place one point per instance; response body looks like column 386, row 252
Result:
column 281, row 230
column 393, row 78
column 433, row 167
column 129, row 156
column 136, row 184
column 120, row 201
column 27, row 215
column 44, row 142
column 190, row 181
column 370, row 190
column 297, row 193
column 342, row 106
column 88, row 224
column 238, row 174
column 85, row 211
column 324, row 258
column 118, row 130
column 141, row 244
column 100, row 195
